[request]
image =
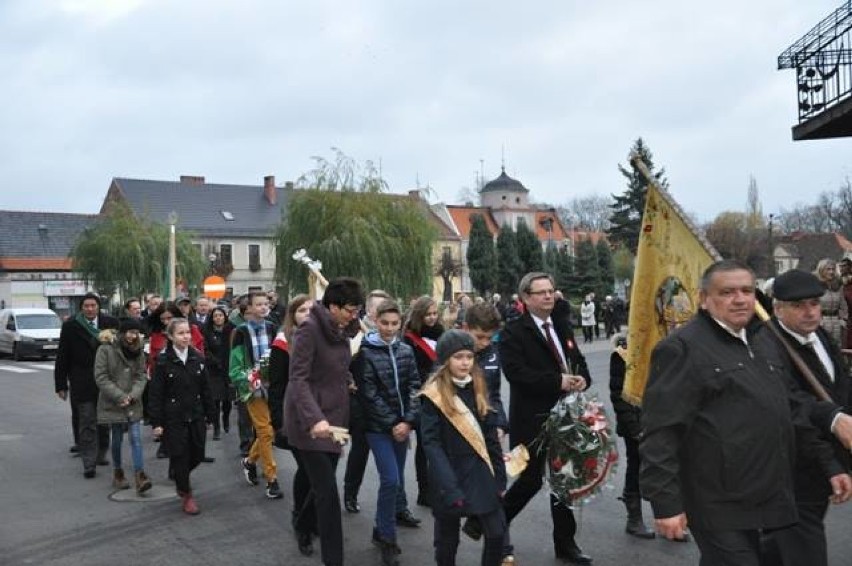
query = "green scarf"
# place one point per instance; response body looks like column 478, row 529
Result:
column 84, row 322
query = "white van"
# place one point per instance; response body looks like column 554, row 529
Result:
column 29, row 332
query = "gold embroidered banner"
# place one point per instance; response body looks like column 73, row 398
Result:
column 669, row 262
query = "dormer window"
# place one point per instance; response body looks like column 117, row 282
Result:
column 227, row 215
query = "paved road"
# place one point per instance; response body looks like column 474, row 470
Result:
column 50, row 515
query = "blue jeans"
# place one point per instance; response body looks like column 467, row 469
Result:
column 134, row 431
column 389, row 457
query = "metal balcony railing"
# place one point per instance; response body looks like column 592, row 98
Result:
column 823, row 63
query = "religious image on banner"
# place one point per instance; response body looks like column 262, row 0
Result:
column 670, row 260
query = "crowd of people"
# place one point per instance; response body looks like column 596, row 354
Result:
column 732, row 446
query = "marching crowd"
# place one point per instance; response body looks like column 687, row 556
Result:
column 733, row 445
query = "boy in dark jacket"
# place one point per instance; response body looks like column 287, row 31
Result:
column 388, row 395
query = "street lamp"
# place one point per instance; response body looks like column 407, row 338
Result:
column 172, row 219
column 771, row 269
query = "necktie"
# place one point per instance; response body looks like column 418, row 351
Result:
column 92, row 324
column 553, row 349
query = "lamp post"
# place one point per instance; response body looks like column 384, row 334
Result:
column 173, row 217
column 771, row 269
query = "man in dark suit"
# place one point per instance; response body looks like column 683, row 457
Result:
column 542, row 363
column 822, row 464
column 74, row 371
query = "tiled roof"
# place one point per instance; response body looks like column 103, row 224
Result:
column 39, row 240
column 201, row 207
column 578, row 235
column 461, row 218
column 559, row 232
column 810, row 248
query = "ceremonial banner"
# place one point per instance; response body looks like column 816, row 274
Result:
column 669, row 262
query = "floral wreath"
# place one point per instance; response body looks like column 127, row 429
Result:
column 581, row 450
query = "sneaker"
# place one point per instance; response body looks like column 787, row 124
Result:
column 273, row 491
column 249, row 471
column 350, row 503
column 472, row 528
column 407, row 519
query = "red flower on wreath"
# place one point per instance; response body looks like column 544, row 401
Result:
column 556, row 464
column 591, row 465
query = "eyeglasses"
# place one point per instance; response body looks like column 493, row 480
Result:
column 352, row 310
column 542, row 292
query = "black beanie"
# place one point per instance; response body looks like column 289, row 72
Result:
column 128, row 324
column 453, row 341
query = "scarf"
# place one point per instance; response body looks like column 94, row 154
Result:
column 84, row 322
column 259, row 339
column 463, row 420
column 422, row 345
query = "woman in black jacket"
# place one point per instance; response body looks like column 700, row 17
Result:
column 217, row 341
column 304, row 512
column 421, row 332
column 180, row 401
column 628, row 426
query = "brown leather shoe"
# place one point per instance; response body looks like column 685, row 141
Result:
column 118, row 479
column 143, row 483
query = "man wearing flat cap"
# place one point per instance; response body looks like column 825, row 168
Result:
column 822, row 463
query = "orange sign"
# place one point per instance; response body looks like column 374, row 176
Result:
column 214, row 287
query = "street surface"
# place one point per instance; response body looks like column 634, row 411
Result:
column 50, row 515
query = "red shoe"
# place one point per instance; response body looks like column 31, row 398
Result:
column 189, row 505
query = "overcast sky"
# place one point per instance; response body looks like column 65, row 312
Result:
column 233, row 91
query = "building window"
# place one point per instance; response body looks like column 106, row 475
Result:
column 226, row 255
column 253, row 288
column 254, row 257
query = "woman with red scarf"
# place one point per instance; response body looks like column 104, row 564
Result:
column 421, row 332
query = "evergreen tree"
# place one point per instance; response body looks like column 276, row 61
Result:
column 605, row 268
column 481, row 256
column 529, row 248
column 564, row 270
column 508, row 264
column 626, row 218
column 551, row 260
column 586, row 276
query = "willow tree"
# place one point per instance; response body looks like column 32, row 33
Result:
column 342, row 216
column 125, row 253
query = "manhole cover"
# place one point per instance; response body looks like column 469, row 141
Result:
column 156, row 493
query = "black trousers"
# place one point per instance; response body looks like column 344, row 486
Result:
column 631, row 472
column 356, row 462
column 446, row 540
column 802, row 543
column 588, row 334
column 321, row 468
column 185, row 444
column 421, row 467
column 75, row 423
column 93, row 439
column 528, row 484
column 304, row 508
column 729, row 548
column 245, row 429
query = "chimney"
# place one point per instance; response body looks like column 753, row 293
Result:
column 269, row 190
column 191, row 180
column 414, row 194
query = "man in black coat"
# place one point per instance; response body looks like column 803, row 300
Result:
column 74, row 372
column 718, row 442
column 542, row 363
column 822, row 464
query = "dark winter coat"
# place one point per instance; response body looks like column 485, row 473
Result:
column 178, row 392
column 425, row 361
column 218, row 348
column 628, row 417
column 819, row 454
column 534, row 375
column 389, row 384
column 319, row 381
column 488, row 361
column 279, row 378
column 719, row 439
column 456, row 471
column 75, row 359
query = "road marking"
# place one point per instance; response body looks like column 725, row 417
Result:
column 14, row 369
column 42, row 366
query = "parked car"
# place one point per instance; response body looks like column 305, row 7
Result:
column 29, row 332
